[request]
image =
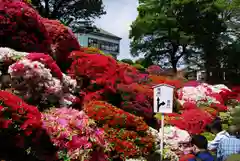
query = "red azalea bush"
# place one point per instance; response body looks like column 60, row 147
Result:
column 22, row 28
column 63, row 40
column 154, row 69
column 194, row 120
column 137, row 99
column 155, row 80
column 127, row 133
column 105, row 113
column 100, row 69
column 18, row 119
column 127, row 74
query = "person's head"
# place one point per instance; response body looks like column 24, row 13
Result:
column 199, row 143
column 234, row 130
column 215, row 127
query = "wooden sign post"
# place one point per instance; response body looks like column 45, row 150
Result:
column 163, row 103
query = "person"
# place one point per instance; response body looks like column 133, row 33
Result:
column 216, row 128
column 229, row 145
column 200, row 145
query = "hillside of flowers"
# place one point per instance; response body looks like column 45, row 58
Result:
column 63, row 102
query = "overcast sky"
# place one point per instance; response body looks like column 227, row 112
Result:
column 119, row 17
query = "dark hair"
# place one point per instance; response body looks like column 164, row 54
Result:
column 200, row 141
column 215, row 125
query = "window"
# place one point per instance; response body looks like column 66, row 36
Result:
column 103, row 45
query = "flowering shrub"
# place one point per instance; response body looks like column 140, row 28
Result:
column 18, row 118
column 137, row 99
column 22, row 28
column 74, row 133
column 173, row 136
column 154, row 69
column 127, row 133
column 99, row 68
column 194, row 120
column 63, row 41
column 38, row 73
column 155, row 80
column 9, row 56
column 202, row 95
column 127, row 74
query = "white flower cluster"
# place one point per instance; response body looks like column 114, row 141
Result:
column 173, row 136
column 33, row 80
column 6, row 53
column 200, row 94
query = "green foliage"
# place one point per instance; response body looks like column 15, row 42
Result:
column 128, row 61
column 233, row 157
column 165, row 31
column 208, row 135
column 71, row 12
column 139, row 67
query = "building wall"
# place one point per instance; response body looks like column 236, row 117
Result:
column 83, row 40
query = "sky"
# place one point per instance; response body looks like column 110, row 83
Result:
column 119, row 17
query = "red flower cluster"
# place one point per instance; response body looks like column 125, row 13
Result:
column 99, row 68
column 154, row 69
column 63, row 41
column 137, row 99
column 127, row 133
column 48, row 62
column 128, row 144
column 105, row 113
column 20, row 118
column 22, row 28
column 127, row 74
column 193, row 120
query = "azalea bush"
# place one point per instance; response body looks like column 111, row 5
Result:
column 203, row 95
column 8, row 57
column 137, row 99
column 17, row 117
column 63, row 42
column 22, row 28
column 38, row 73
column 76, row 136
column 127, row 134
column 100, row 69
column 21, row 131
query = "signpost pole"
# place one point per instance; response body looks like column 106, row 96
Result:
column 162, row 136
column 162, row 104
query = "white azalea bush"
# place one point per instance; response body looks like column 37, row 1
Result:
column 9, row 56
column 203, row 95
column 38, row 79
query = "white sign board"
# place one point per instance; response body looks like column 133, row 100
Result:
column 163, row 98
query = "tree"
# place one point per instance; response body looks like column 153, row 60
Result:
column 157, row 34
column 70, row 12
column 201, row 19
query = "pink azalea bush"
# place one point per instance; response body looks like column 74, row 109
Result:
column 74, row 133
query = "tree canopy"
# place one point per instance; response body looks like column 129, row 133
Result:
column 70, row 12
column 167, row 31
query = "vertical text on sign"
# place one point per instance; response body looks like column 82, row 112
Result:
column 163, row 98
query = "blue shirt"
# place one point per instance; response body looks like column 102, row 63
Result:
column 213, row 145
column 204, row 156
column 227, row 147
